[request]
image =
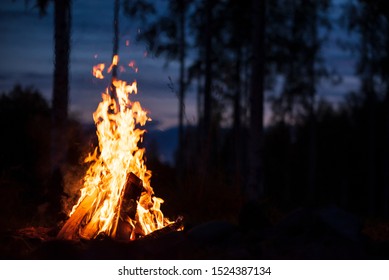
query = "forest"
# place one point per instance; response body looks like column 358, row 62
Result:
column 268, row 139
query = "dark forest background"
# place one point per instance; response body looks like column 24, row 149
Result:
column 234, row 55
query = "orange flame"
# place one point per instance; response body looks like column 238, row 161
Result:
column 98, row 71
column 118, row 154
column 115, row 61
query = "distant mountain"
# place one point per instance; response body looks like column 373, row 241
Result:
column 162, row 142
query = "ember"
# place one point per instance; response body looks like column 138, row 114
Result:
column 117, row 199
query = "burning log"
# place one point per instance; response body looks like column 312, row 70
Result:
column 122, row 228
column 177, row 225
column 127, row 213
column 73, row 228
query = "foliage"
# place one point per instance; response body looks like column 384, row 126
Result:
column 25, row 154
column 25, row 170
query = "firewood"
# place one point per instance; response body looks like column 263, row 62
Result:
column 74, row 228
column 121, row 229
column 91, row 229
column 128, row 206
column 71, row 228
column 177, row 225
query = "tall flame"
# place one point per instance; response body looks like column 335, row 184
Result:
column 118, row 121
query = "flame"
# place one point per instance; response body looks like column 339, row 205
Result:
column 117, row 122
column 98, row 71
column 115, row 61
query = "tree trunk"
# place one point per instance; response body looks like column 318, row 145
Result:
column 62, row 18
column 182, row 83
column 386, row 146
column 368, row 90
column 386, row 154
column 371, row 150
column 208, row 70
column 237, row 119
column 205, row 125
column 115, row 51
column 311, row 103
column 312, row 152
column 60, row 99
column 255, row 188
column 370, row 99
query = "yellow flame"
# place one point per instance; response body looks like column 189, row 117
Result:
column 115, row 61
column 98, row 71
column 117, row 121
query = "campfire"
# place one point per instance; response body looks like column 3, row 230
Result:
column 117, row 199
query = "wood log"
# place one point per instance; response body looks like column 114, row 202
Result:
column 121, row 228
column 72, row 226
column 91, row 229
column 177, row 225
column 128, row 207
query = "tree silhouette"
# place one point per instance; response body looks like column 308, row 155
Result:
column 25, row 154
column 255, row 188
column 370, row 20
column 60, row 96
column 166, row 35
column 299, row 61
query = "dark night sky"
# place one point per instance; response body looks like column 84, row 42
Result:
column 27, row 58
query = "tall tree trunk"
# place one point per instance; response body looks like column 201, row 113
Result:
column 205, row 131
column 312, row 151
column 386, row 155
column 237, row 119
column 205, row 125
column 208, row 70
column 367, row 87
column 370, row 99
column 181, row 94
column 386, row 110
column 371, row 103
column 199, row 96
column 115, row 50
column 255, row 187
column 311, row 103
column 60, row 99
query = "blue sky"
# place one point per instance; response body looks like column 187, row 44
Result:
column 26, row 56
